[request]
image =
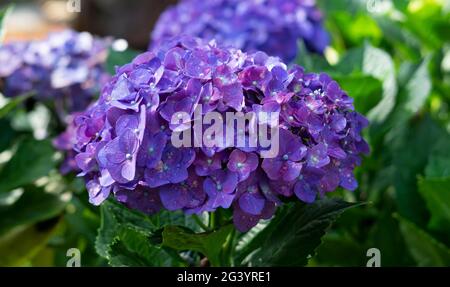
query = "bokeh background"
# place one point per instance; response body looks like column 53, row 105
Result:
column 131, row 20
column 393, row 58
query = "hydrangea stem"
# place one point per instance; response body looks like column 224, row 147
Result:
column 212, row 220
column 227, row 250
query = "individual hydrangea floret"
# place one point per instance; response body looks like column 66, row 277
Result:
column 124, row 140
column 67, row 68
column 271, row 26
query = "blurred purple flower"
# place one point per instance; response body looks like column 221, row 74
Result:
column 271, row 26
column 67, row 68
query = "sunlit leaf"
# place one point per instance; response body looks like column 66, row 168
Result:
column 22, row 244
column 33, row 206
column 33, row 159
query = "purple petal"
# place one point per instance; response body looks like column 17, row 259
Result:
column 348, row 180
column 251, row 203
column 173, row 197
column 318, row 156
column 304, row 192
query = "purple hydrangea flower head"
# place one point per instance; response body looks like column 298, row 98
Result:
column 271, row 26
column 66, row 68
column 125, row 148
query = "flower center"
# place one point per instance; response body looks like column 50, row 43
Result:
column 285, row 157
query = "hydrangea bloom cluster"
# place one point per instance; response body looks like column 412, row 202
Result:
column 271, row 26
column 67, row 68
column 124, row 146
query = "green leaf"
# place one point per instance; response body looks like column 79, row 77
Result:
column 352, row 6
column 124, row 238
column 357, row 28
column 208, row 243
column 292, row 237
column 436, row 193
column 378, row 64
column 8, row 135
column 22, row 244
column 117, row 59
column 114, row 217
column 32, row 160
column 33, row 206
column 132, row 248
column 426, row 250
column 423, row 26
column 416, row 89
column 10, row 197
column 335, row 250
column 365, row 90
column 439, row 161
column 401, row 5
column 13, row 103
column 404, row 42
column 310, row 61
column 410, row 146
column 79, row 230
column 386, row 236
column 246, row 238
column 121, row 256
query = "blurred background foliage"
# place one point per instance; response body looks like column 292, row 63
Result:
column 391, row 56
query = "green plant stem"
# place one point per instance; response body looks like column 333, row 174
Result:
column 212, row 220
column 227, row 250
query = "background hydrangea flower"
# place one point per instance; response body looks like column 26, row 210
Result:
column 66, row 68
column 125, row 149
column 271, row 26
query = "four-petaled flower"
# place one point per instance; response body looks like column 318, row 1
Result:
column 286, row 166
